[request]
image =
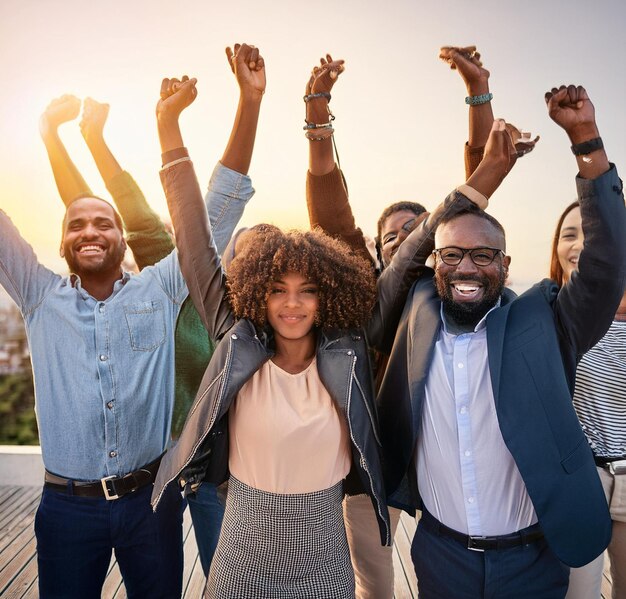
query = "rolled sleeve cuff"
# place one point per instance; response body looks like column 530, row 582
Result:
column 230, row 183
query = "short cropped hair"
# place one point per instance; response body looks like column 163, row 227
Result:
column 414, row 207
column 474, row 210
column 118, row 219
column 345, row 281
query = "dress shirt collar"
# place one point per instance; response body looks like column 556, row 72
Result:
column 447, row 327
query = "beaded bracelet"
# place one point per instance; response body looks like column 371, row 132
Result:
column 478, row 100
column 319, row 135
column 316, row 125
column 310, row 97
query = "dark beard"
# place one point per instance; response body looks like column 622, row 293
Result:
column 469, row 314
column 113, row 261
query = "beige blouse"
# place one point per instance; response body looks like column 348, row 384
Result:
column 286, row 435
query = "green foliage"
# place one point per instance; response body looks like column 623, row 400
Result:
column 18, row 425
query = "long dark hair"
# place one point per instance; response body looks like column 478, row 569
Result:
column 556, row 270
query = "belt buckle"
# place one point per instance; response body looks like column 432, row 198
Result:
column 108, row 496
column 471, row 540
column 618, row 467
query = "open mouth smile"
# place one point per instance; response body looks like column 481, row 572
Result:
column 467, row 290
column 90, row 249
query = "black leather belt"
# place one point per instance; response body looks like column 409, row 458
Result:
column 110, row 487
column 515, row 539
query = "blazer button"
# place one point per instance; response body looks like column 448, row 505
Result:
column 349, row 352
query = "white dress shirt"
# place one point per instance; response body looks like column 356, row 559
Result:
column 467, row 477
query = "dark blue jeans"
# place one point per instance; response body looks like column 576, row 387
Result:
column 75, row 537
column 207, row 513
column 446, row 569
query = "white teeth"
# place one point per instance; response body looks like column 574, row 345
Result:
column 91, row 249
column 465, row 288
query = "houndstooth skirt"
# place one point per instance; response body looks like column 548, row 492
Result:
column 281, row 546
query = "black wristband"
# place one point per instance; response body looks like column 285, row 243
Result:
column 586, row 147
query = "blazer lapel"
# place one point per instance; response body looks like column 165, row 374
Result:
column 424, row 325
column 496, row 327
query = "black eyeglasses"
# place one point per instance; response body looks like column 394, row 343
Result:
column 452, row 256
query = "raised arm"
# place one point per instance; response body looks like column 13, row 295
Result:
column 467, row 62
column 230, row 188
column 326, row 193
column 68, row 179
column 409, row 263
column 587, row 303
column 146, row 234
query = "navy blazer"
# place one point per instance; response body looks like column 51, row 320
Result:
column 534, row 342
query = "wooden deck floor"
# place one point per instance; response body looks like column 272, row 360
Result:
column 18, row 563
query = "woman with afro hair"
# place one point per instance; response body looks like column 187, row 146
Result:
column 285, row 412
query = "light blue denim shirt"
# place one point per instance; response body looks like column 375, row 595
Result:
column 104, row 370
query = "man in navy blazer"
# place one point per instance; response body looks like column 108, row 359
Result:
column 477, row 423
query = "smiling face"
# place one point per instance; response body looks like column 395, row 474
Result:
column 93, row 241
column 570, row 243
column 469, row 291
column 292, row 306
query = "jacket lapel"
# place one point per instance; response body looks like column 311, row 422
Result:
column 496, row 327
column 423, row 328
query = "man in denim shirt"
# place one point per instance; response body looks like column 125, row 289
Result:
column 102, row 346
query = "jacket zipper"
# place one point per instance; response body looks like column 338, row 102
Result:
column 363, row 462
column 367, row 407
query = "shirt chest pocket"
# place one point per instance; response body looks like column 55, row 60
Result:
column 146, row 325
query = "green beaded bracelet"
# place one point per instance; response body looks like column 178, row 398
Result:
column 477, row 100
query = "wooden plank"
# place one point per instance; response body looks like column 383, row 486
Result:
column 113, row 580
column 190, row 550
column 402, row 544
column 6, row 491
column 33, row 591
column 13, row 550
column 18, row 507
column 25, row 522
column 20, row 572
column 195, row 588
column 401, row 587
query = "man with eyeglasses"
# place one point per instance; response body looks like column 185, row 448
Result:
column 477, row 423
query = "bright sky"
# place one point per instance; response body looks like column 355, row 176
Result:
column 401, row 119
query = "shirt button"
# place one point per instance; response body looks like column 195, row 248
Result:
column 349, row 352
column 103, row 358
column 468, row 453
column 112, row 454
column 470, row 500
column 460, row 364
column 110, row 405
column 463, row 409
column 101, row 308
column 233, row 336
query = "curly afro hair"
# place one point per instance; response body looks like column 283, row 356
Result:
column 346, row 282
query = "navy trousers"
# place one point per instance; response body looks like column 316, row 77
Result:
column 76, row 535
column 207, row 513
column 446, row 569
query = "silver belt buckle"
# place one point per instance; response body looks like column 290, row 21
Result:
column 618, row 467
column 471, row 540
column 108, row 495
